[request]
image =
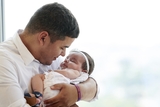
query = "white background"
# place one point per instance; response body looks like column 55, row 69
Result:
column 123, row 38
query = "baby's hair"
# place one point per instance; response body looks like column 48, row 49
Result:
column 91, row 63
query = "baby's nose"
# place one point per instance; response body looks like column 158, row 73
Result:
column 66, row 60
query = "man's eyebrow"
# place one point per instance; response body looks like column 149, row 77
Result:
column 66, row 46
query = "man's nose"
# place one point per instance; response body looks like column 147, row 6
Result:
column 63, row 53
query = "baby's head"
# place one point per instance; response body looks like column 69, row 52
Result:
column 88, row 65
column 79, row 60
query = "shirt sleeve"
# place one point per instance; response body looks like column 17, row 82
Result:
column 11, row 94
column 19, row 103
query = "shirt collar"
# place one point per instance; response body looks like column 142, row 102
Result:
column 23, row 51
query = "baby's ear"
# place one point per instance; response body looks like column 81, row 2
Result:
column 84, row 71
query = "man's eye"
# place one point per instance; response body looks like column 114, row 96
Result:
column 62, row 48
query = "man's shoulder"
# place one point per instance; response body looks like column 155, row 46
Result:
column 8, row 51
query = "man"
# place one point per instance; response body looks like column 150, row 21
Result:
column 39, row 46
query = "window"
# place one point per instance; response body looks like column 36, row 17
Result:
column 123, row 38
column 1, row 21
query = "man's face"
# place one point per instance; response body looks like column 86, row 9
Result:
column 53, row 50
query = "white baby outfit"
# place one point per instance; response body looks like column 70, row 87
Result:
column 52, row 78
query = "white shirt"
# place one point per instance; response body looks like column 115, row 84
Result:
column 17, row 66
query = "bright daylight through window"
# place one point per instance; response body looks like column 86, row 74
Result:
column 123, row 38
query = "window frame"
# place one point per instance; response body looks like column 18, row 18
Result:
column 2, row 20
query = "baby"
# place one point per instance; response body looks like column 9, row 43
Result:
column 76, row 68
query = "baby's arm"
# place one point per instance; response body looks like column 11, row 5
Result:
column 69, row 73
column 37, row 83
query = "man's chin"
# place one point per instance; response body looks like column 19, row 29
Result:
column 47, row 63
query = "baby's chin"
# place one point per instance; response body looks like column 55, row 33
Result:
column 62, row 67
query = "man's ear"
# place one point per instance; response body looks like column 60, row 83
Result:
column 43, row 37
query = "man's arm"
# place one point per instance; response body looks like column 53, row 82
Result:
column 11, row 93
column 88, row 89
column 68, row 93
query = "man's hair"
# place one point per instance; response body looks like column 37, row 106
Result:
column 91, row 63
column 56, row 19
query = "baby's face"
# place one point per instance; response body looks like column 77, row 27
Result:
column 73, row 61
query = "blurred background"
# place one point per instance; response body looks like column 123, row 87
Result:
column 123, row 38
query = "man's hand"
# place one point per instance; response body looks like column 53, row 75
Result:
column 66, row 97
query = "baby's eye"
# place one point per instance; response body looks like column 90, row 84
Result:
column 72, row 60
